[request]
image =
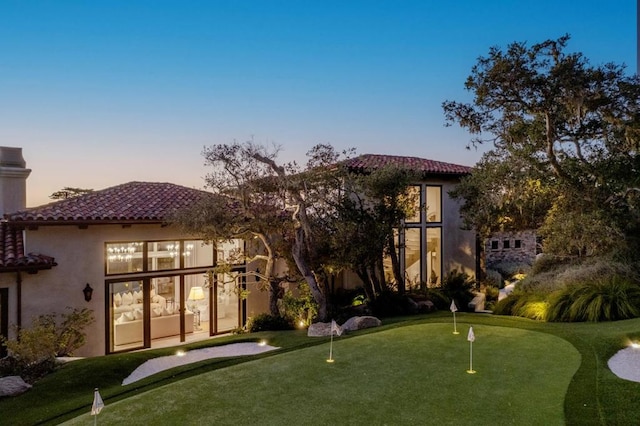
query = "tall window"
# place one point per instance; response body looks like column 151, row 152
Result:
column 434, row 203
column 420, row 240
column 415, row 193
column 434, row 256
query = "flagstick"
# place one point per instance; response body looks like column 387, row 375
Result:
column 331, row 349
column 455, row 330
column 471, row 370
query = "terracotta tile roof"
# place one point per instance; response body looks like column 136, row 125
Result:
column 133, row 202
column 12, row 257
column 367, row 162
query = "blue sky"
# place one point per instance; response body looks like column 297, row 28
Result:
column 99, row 93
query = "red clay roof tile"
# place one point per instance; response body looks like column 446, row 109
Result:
column 130, row 202
column 12, row 255
column 428, row 167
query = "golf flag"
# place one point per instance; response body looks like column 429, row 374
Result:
column 98, row 404
column 335, row 328
column 471, row 337
column 453, row 309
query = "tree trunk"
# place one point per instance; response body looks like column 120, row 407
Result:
column 274, row 285
column 274, row 291
column 395, row 265
column 305, row 271
column 366, row 284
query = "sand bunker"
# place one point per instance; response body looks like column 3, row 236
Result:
column 162, row 363
column 626, row 364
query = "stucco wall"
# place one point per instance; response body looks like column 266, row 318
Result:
column 458, row 245
column 79, row 254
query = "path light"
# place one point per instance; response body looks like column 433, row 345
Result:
column 635, row 344
column 181, row 353
column 262, row 343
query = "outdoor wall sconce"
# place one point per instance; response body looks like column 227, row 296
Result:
column 88, row 292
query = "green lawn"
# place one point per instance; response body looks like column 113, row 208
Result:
column 410, row 371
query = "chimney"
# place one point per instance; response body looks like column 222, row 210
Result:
column 13, row 180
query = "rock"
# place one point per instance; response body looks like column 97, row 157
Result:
column 13, row 385
column 426, row 306
column 358, row 323
column 319, row 329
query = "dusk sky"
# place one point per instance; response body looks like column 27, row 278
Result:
column 99, row 93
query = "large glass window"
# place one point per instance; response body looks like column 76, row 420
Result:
column 196, row 253
column 434, row 204
column 415, row 195
column 228, row 288
column 231, row 251
column 126, row 314
column 166, row 300
column 387, row 262
column 412, row 258
column 434, row 256
column 123, row 258
column 163, row 255
column 129, row 257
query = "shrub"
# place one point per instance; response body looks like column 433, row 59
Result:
column 267, row 322
column 614, row 298
column 505, row 306
column 546, row 263
column 33, row 353
column 301, row 308
column 459, row 287
column 528, row 305
column 491, row 293
column 389, row 304
column 510, row 269
column 494, row 278
column 438, row 298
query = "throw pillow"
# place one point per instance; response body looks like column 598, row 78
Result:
column 127, row 298
column 128, row 316
column 117, row 299
column 156, row 312
column 137, row 314
column 166, row 311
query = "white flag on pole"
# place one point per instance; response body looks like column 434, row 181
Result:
column 453, row 307
column 335, row 328
column 471, row 337
column 98, row 404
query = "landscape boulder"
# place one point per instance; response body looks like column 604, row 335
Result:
column 359, row 323
column 13, row 385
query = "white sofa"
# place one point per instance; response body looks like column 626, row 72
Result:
column 127, row 311
column 162, row 326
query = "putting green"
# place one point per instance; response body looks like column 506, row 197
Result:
column 407, row 375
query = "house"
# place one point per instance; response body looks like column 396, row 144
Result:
column 148, row 284
column 432, row 243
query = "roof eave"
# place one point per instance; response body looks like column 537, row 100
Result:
column 86, row 223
